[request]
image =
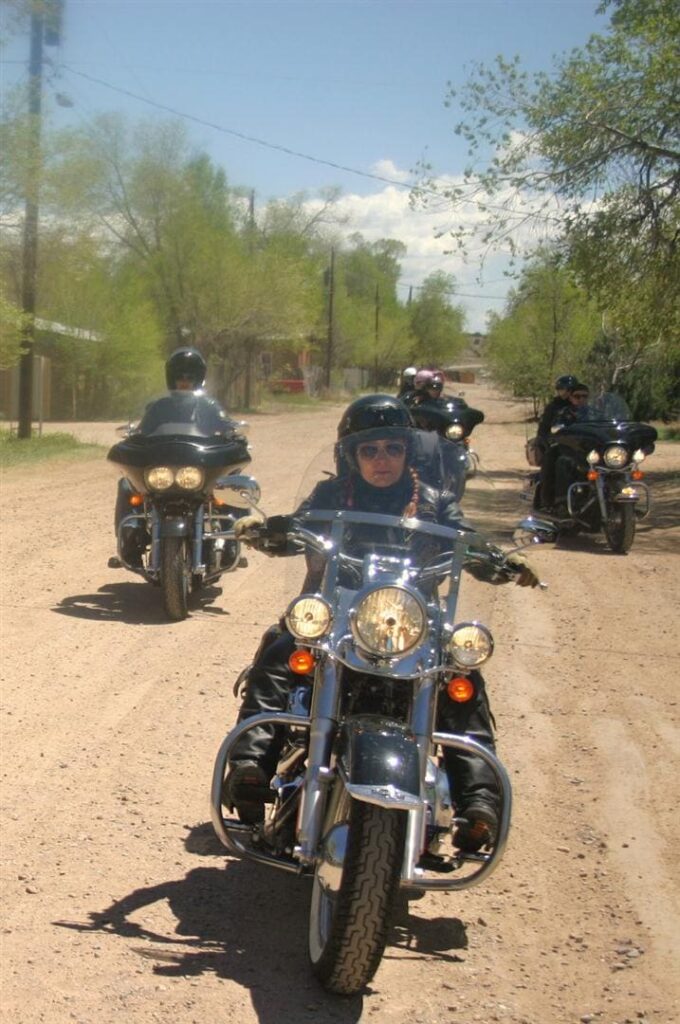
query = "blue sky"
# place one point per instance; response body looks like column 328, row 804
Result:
column 360, row 84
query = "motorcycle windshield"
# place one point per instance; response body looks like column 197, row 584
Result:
column 185, row 414
column 379, row 475
column 607, row 407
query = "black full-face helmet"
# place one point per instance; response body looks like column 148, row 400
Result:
column 185, row 362
column 565, row 382
column 372, row 416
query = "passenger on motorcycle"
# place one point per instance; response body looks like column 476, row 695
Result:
column 428, row 384
column 185, row 371
column 376, row 436
column 406, row 384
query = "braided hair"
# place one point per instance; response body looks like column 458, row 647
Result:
column 410, row 509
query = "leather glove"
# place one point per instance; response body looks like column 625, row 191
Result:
column 245, row 528
column 525, row 575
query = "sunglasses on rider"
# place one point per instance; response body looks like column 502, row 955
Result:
column 370, row 451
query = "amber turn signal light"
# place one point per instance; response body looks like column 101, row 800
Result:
column 136, row 500
column 301, row 662
column 460, row 689
column 591, row 474
column 637, row 474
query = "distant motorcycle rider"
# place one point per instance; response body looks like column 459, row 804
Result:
column 556, row 405
column 376, row 438
column 554, row 486
column 185, row 372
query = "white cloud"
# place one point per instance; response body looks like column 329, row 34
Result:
column 386, row 169
column 387, row 214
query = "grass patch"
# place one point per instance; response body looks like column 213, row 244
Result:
column 14, row 452
column 669, row 433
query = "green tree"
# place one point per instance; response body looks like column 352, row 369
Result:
column 549, row 327
column 589, row 153
column 436, row 324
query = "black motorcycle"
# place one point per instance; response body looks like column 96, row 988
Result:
column 171, row 527
column 453, row 420
column 598, row 481
column 360, row 802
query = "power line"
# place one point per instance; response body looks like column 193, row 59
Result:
column 244, row 136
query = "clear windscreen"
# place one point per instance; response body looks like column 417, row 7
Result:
column 380, row 475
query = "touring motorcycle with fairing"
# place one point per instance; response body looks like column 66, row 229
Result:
column 598, row 480
column 360, row 802
column 172, row 528
column 453, row 420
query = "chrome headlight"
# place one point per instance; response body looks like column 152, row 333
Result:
column 592, row 458
column 308, row 618
column 639, row 455
column 454, row 432
column 471, row 644
column 388, row 621
column 159, row 478
column 189, row 478
column 616, row 456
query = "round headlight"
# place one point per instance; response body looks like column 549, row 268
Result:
column 592, row 458
column 471, row 644
column 388, row 621
column 159, row 478
column 308, row 618
column 454, row 432
column 639, row 455
column 189, row 478
column 616, row 456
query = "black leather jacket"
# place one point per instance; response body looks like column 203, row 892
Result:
column 353, row 493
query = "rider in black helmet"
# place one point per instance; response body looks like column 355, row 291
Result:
column 556, row 405
column 185, row 373
column 375, row 452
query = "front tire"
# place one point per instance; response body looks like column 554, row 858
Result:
column 349, row 922
column 619, row 527
column 175, row 577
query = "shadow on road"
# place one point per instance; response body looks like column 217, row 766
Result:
column 135, row 603
column 248, row 923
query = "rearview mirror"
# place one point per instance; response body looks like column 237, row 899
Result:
column 246, row 490
column 534, row 531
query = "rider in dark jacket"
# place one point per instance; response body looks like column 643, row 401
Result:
column 376, row 439
column 185, row 372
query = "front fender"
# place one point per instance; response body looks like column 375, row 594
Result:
column 379, row 762
column 174, row 526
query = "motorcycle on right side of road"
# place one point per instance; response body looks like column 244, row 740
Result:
column 599, row 484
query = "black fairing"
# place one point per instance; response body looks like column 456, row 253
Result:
column 216, row 456
column 439, row 413
column 588, row 435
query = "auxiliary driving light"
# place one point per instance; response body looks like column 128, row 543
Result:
column 308, row 617
column 471, row 644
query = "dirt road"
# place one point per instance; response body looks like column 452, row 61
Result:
column 118, row 904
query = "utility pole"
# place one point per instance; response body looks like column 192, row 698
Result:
column 45, row 28
column 376, row 334
column 331, row 298
column 249, row 342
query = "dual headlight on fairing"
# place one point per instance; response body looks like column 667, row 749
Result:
column 161, row 478
column 388, row 622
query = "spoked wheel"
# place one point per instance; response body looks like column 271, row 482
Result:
column 175, row 577
column 619, row 527
column 354, row 888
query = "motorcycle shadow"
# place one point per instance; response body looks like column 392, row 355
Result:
column 247, row 923
column 130, row 602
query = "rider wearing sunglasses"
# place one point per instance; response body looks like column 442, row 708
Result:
column 375, row 458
